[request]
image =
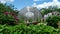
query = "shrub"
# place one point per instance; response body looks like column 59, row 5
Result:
column 31, row 29
column 7, row 18
column 53, row 20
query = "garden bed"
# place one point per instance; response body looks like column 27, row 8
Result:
column 31, row 29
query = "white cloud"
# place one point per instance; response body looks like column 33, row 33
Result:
column 34, row 4
column 5, row 1
column 35, row 0
column 47, row 4
column 38, row 0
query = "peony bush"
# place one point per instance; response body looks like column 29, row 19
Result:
column 8, row 18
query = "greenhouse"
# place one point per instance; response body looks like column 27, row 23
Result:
column 30, row 14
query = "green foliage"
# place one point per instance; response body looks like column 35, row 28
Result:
column 46, row 10
column 7, row 15
column 4, row 7
column 6, row 19
column 31, row 29
column 49, row 9
column 53, row 20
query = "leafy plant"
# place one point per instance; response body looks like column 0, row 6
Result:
column 8, row 15
column 24, row 29
column 53, row 20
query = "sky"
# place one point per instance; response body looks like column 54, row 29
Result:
column 19, row 4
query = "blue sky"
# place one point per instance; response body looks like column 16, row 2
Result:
column 22, row 3
column 19, row 4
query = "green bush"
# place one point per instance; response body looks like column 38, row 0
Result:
column 31, row 29
column 53, row 20
column 7, row 18
column 8, row 15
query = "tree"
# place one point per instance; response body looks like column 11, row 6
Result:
column 49, row 9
